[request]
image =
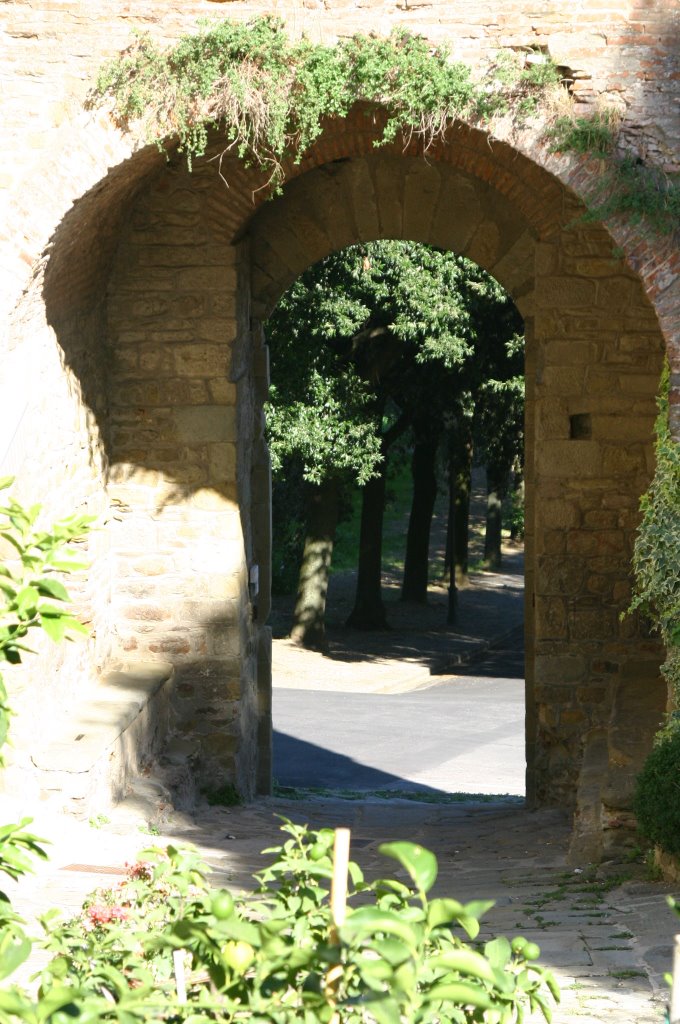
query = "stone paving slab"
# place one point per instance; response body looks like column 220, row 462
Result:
column 497, row 851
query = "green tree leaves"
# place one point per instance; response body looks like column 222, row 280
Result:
column 656, row 559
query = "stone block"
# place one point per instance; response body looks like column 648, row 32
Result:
column 564, row 292
column 563, row 669
column 551, row 618
column 222, row 462
column 623, row 461
column 205, row 423
column 569, row 459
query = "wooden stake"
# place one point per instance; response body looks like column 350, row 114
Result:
column 338, row 909
column 674, row 1011
column 180, row 975
column 339, row 882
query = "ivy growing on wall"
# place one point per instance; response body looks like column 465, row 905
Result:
column 657, row 593
column 627, row 186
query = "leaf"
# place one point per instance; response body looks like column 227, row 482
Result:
column 14, row 949
column 371, row 920
column 465, row 961
column 12, row 540
column 443, row 911
column 63, row 566
column 421, row 864
column 5, row 482
column 55, row 627
column 52, row 588
column 26, row 600
column 461, row 993
column 498, row 952
column 385, row 1010
column 478, row 908
column 7, row 588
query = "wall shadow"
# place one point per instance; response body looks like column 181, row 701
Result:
column 299, row 764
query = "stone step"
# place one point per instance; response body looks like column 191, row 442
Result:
column 99, row 747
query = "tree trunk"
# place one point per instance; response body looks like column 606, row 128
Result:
column 369, row 610
column 452, row 603
column 416, row 563
column 517, row 523
column 496, row 483
column 460, row 485
column 309, row 629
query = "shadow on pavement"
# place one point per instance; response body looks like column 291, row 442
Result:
column 299, row 764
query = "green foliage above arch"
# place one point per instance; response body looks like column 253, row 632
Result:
column 271, row 95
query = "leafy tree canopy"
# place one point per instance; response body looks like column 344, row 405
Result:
column 427, row 329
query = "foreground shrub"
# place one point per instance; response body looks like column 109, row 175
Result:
column 163, row 945
column 657, row 796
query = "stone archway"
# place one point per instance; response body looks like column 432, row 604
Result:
column 189, row 468
column 155, row 290
column 594, row 697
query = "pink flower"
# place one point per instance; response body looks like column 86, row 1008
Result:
column 100, row 914
column 139, row 870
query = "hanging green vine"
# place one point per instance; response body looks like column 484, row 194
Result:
column 271, row 95
column 656, row 561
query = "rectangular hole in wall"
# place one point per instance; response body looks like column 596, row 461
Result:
column 580, row 426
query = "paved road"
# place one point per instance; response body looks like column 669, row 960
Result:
column 463, row 733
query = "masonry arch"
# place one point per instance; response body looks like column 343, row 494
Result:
column 156, row 286
column 593, row 694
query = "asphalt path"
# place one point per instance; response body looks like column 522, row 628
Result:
column 462, row 734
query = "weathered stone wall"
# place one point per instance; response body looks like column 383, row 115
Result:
column 51, row 444
column 181, row 397
column 132, row 299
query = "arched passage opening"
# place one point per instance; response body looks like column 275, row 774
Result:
column 394, row 345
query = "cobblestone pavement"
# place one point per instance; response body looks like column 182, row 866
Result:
column 607, row 935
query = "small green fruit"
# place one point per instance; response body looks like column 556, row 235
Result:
column 238, row 955
column 222, row 905
column 531, row 951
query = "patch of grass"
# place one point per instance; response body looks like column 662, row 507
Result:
column 548, row 897
column 309, row 792
column 149, row 830
column 627, row 972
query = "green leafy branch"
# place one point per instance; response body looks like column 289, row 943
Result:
column 163, row 945
column 657, row 595
column 271, row 97
column 31, row 597
column 657, row 546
